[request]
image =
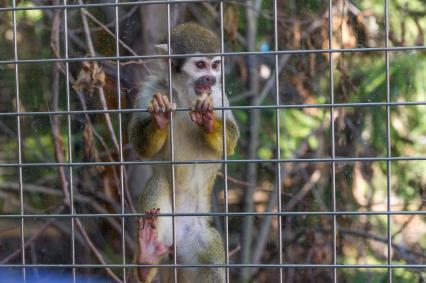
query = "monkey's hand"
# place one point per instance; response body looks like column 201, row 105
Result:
column 150, row 248
column 202, row 113
column 160, row 108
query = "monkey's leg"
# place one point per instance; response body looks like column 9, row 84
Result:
column 213, row 253
column 150, row 248
column 155, row 232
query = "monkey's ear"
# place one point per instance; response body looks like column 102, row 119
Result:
column 161, row 49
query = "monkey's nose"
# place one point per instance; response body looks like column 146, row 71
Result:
column 206, row 80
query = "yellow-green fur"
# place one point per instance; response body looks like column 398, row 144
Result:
column 149, row 138
column 191, row 38
column 215, row 138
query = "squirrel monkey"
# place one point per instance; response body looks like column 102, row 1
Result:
column 198, row 135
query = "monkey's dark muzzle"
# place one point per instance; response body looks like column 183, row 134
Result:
column 204, row 85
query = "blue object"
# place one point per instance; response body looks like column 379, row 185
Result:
column 264, row 47
column 34, row 275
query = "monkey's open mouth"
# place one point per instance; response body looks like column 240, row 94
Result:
column 200, row 89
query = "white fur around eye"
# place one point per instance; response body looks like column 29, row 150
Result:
column 190, row 67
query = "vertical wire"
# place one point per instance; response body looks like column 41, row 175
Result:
column 172, row 152
column 225, row 154
column 278, row 130
column 388, row 144
column 67, row 78
column 120, row 143
column 333, row 146
column 18, row 130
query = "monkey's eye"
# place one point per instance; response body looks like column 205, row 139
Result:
column 215, row 64
column 200, row 64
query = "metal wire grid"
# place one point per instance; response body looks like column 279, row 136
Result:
column 278, row 160
column 333, row 147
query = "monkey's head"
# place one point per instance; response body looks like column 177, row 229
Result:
column 199, row 74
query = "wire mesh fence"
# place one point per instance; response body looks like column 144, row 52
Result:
column 327, row 183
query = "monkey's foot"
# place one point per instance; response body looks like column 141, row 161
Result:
column 202, row 113
column 150, row 248
column 160, row 108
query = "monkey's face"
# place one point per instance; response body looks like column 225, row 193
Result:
column 203, row 75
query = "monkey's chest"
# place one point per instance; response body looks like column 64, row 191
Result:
column 193, row 184
column 188, row 141
column 194, row 180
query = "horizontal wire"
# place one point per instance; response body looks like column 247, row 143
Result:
column 241, row 107
column 235, row 161
column 209, row 214
column 97, row 5
column 231, row 265
column 223, row 54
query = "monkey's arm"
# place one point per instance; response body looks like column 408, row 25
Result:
column 215, row 138
column 148, row 131
column 211, row 123
column 146, row 136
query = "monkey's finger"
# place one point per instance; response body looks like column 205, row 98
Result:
column 153, row 218
column 211, row 104
column 208, row 115
column 193, row 116
column 157, row 96
column 150, row 108
column 165, row 98
column 151, row 214
column 155, row 106
column 146, row 222
column 197, row 105
column 147, row 234
column 155, row 213
column 142, row 233
column 173, row 107
column 194, row 106
column 199, row 117
column 206, row 104
column 166, row 102
column 161, row 249
column 160, row 101
column 202, row 105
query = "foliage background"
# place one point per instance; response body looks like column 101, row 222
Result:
column 305, row 133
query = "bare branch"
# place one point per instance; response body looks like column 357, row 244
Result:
column 58, row 141
column 92, row 53
column 29, row 241
column 99, row 23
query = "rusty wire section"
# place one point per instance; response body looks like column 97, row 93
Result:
column 127, row 217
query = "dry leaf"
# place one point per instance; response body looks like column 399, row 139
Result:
column 91, row 76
